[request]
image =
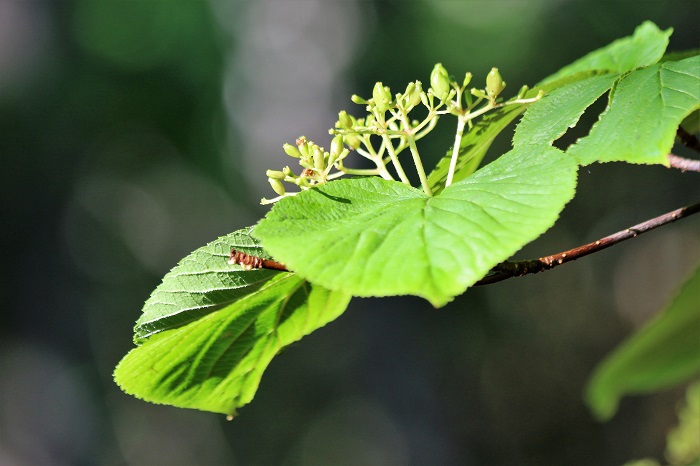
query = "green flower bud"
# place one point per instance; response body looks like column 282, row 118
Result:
column 277, row 186
column 331, row 160
column 352, row 140
column 494, row 83
column 345, row 120
column 275, row 174
column 424, row 99
column 467, row 80
column 403, row 99
column 381, row 95
column 287, row 171
column 334, row 157
column 305, row 150
column 292, row 151
column 477, row 93
column 319, row 158
column 413, row 92
column 336, row 145
column 344, row 153
column 440, row 82
column 409, row 88
column 358, row 100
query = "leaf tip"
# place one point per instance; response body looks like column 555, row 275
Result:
column 601, row 400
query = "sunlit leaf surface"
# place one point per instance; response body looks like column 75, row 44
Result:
column 372, row 237
column 216, row 362
column 202, row 283
column 645, row 47
column 640, row 124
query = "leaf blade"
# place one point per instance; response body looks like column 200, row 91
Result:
column 664, row 352
column 372, row 237
column 644, row 47
column 549, row 118
column 216, row 362
column 201, row 283
column 640, row 123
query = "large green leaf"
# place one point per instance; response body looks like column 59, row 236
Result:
column 663, row 353
column 645, row 47
column 640, row 124
column 550, row 117
column 216, row 363
column 202, row 283
column 372, row 237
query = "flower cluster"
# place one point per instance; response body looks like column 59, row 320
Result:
column 316, row 162
column 387, row 130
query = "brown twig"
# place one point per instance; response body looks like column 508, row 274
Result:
column 509, row 269
column 688, row 140
column 683, row 164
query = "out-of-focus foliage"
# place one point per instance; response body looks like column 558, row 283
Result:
column 663, row 353
column 683, row 442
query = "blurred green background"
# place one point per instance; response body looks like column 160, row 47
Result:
column 133, row 132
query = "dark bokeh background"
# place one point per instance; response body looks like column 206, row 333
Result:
column 133, row 132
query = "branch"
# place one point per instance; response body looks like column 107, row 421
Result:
column 509, row 269
column 683, row 164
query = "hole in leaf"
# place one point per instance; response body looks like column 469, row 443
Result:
column 584, row 124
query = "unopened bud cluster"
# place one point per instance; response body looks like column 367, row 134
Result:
column 315, row 161
column 387, row 129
